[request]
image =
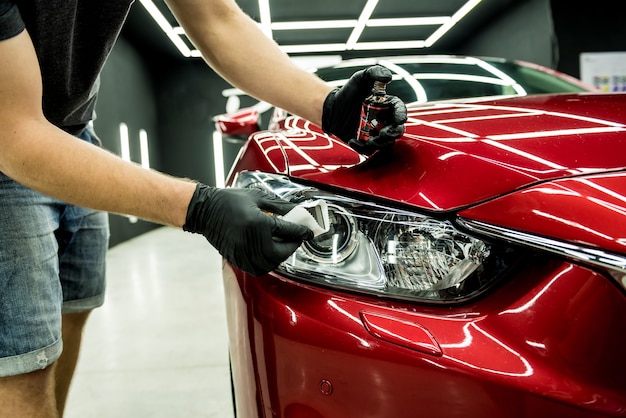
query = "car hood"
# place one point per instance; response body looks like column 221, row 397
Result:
column 457, row 154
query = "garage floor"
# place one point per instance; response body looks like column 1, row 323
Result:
column 158, row 346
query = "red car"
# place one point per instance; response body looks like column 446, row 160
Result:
column 476, row 270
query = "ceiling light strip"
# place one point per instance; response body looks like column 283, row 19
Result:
column 358, row 29
column 361, row 46
column 297, row 49
column 408, row 21
column 366, row 46
column 166, row 27
column 315, row 24
column 266, row 17
column 443, row 29
column 351, row 23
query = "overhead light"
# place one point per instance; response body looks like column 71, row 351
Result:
column 359, row 46
column 443, row 29
column 314, row 24
column 358, row 29
column 372, row 46
column 445, row 23
column 299, row 49
column 351, row 23
column 408, row 21
column 266, row 17
column 166, row 27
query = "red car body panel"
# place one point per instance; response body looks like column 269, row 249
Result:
column 547, row 340
column 308, row 352
column 454, row 155
column 587, row 210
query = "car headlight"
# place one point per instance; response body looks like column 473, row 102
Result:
column 385, row 251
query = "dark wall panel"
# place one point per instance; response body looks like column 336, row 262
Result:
column 190, row 95
column 594, row 27
column 127, row 95
column 523, row 31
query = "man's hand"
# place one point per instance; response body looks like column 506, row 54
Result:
column 235, row 223
column 342, row 110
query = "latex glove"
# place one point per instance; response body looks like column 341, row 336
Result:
column 342, row 111
column 234, row 222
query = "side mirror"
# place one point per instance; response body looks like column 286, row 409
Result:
column 238, row 125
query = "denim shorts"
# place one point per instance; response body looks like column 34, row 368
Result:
column 52, row 261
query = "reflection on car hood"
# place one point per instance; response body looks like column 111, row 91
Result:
column 455, row 154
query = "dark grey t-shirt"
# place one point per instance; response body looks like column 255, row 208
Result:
column 72, row 39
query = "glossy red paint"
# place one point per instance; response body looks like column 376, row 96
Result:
column 546, row 341
column 244, row 122
column 262, row 153
column 544, row 345
column 588, row 210
column 456, row 154
column 406, row 333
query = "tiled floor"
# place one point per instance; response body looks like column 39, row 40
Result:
column 158, row 346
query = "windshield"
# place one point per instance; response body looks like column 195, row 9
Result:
column 427, row 79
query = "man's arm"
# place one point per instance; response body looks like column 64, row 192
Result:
column 234, row 46
column 43, row 157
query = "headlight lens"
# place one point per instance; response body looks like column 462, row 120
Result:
column 385, row 251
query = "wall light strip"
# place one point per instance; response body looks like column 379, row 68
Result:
column 166, row 27
column 125, row 154
column 143, row 146
column 358, row 29
column 124, row 142
column 218, row 159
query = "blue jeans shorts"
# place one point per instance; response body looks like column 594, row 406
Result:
column 52, row 261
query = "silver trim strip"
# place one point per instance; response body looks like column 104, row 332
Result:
column 615, row 263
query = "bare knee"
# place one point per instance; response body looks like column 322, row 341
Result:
column 75, row 322
column 28, row 395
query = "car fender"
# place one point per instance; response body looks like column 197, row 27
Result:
column 585, row 210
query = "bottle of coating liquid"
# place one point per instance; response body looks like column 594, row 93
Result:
column 373, row 112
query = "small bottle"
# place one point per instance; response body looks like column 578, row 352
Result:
column 373, row 112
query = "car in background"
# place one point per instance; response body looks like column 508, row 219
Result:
column 476, row 269
column 416, row 79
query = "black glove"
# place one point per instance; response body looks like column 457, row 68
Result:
column 234, row 222
column 342, row 111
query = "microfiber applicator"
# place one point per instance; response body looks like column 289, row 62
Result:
column 313, row 215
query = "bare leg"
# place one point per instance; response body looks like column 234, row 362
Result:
column 28, row 395
column 73, row 325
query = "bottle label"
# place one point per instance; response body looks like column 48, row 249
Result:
column 372, row 120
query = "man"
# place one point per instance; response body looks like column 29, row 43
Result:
column 52, row 249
